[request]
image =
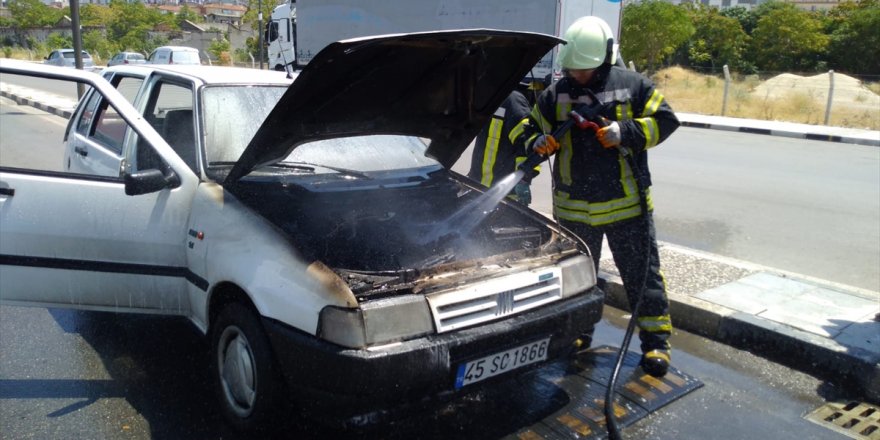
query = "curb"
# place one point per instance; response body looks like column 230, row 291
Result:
column 791, row 347
column 870, row 138
column 48, row 108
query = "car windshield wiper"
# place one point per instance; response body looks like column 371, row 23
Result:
column 304, row 166
column 344, row 171
column 287, row 165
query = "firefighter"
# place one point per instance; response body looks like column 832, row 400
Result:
column 495, row 155
column 595, row 190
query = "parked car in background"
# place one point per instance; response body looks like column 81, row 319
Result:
column 316, row 243
column 127, row 58
column 66, row 58
column 174, row 55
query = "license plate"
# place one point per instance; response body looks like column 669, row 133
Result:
column 501, row 362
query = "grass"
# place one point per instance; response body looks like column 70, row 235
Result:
column 692, row 92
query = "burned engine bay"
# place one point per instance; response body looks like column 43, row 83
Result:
column 385, row 230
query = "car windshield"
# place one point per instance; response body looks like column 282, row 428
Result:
column 234, row 113
column 364, row 153
column 70, row 55
column 232, row 116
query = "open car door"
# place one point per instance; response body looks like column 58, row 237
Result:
column 79, row 239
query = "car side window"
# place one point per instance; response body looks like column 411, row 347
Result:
column 84, row 124
column 128, row 86
column 101, row 123
column 169, row 110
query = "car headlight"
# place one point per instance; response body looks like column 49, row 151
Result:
column 578, row 275
column 376, row 322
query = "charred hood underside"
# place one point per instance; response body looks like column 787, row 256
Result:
column 394, row 230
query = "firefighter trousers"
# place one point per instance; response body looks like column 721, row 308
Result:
column 631, row 243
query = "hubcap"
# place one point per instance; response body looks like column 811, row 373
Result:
column 238, row 376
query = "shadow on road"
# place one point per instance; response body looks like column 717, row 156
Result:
column 159, row 365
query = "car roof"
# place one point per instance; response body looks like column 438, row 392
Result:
column 209, row 74
column 178, row 48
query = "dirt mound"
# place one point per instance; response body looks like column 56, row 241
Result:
column 847, row 90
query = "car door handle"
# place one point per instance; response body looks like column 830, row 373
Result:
column 7, row 192
column 81, row 151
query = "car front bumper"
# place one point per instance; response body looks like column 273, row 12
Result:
column 320, row 372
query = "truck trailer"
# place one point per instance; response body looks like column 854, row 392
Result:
column 299, row 29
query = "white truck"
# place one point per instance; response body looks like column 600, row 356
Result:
column 299, row 29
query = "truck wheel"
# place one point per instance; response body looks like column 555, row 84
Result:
column 279, row 68
column 244, row 369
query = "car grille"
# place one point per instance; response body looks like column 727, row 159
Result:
column 496, row 298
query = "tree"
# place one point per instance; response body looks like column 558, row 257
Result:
column 97, row 44
column 91, row 14
column 854, row 30
column 187, row 14
column 131, row 24
column 218, row 46
column 652, row 31
column 717, row 39
column 787, row 38
column 747, row 18
column 250, row 16
column 56, row 40
column 29, row 14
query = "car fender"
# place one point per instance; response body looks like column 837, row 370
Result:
column 241, row 247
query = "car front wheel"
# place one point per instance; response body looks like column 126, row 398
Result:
column 245, row 375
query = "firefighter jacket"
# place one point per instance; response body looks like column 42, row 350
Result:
column 594, row 185
column 495, row 155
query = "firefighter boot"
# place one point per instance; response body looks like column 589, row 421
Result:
column 656, row 362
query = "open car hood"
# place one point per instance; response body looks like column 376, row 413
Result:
column 443, row 86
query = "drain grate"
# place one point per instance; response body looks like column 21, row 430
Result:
column 857, row 420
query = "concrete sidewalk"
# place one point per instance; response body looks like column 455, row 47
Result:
column 807, row 324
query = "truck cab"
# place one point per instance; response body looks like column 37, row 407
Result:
column 280, row 37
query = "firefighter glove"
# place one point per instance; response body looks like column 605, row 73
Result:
column 545, row 145
column 523, row 193
column 609, row 135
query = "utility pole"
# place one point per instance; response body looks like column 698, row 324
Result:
column 77, row 42
column 260, row 30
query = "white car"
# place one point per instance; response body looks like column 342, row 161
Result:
column 127, row 58
column 67, row 58
column 309, row 230
column 174, row 55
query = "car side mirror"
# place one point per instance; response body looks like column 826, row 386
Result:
column 148, row 181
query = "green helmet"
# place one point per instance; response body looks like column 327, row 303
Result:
column 590, row 43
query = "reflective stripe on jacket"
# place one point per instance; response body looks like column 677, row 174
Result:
column 594, row 185
column 495, row 154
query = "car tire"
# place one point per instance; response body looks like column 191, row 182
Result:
column 279, row 68
column 245, row 376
